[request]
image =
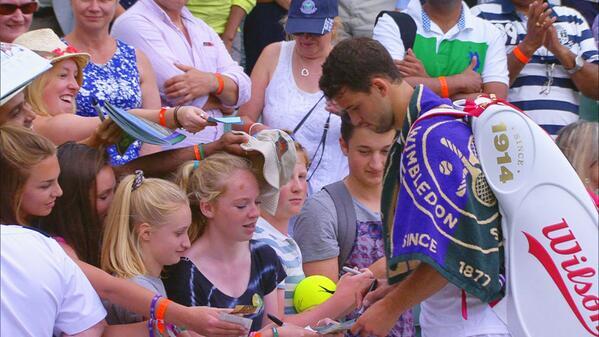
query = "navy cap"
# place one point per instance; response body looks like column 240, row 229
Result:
column 311, row 16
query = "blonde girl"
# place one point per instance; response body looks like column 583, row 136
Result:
column 223, row 266
column 146, row 229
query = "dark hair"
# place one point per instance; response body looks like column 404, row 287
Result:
column 74, row 217
column 347, row 128
column 353, row 63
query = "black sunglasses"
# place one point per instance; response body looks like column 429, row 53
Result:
column 8, row 9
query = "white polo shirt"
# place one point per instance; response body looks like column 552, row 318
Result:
column 446, row 54
column 43, row 292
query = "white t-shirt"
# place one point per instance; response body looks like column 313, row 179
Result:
column 42, row 289
column 441, row 315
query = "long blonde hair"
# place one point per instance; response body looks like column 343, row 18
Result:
column 149, row 202
column 206, row 181
column 579, row 142
column 20, row 150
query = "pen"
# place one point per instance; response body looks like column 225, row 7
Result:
column 351, row 270
column 274, row 319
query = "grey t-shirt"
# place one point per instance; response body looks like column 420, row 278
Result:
column 316, row 230
column 119, row 315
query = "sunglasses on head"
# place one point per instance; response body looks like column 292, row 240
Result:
column 8, row 9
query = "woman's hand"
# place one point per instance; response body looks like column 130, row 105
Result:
column 206, row 321
column 193, row 119
column 231, row 142
column 108, row 132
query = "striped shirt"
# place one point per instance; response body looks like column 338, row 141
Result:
column 551, row 105
column 290, row 255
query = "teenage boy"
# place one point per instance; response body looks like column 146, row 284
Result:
column 341, row 224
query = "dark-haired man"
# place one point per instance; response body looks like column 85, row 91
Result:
column 437, row 224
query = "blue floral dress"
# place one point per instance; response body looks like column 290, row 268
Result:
column 117, row 81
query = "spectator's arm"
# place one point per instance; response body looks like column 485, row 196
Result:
column 164, row 163
column 237, row 89
column 63, row 128
column 236, row 15
column 535, row 36
column 378, row 319
column 95, row 331
column 261, row 75
column 139, row 329
column 586, row 79
column 150, row 97
column 328, row 268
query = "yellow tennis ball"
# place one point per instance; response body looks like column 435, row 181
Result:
column 312, row 291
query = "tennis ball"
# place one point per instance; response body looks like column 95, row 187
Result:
column 312, row 291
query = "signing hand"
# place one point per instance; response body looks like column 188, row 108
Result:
column 382, row 289
column 207, row 322
column 377, row 321
column 411, row 66
column 191, row 84
column 351, row 289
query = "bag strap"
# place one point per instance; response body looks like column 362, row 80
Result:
column 405, row 23
column 299, row 125
column 346, row 219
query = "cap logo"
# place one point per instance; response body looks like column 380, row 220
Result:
column 308, row 7
column 327, row 26
column 281, row 146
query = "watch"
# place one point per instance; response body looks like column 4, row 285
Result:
column 578, row 64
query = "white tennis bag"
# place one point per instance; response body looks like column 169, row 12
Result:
column 550, row 225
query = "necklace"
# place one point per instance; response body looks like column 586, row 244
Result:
column 304, row 72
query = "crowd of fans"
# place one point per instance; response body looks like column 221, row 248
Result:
column 127, row 229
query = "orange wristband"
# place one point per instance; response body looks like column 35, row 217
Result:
column 160, row 311
column 162, row 116
column 221, row 83
column 198, row 150
column 444, row 88
column 520, row 55
column 247, row 127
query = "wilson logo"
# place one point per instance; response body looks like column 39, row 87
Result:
column 575, row 277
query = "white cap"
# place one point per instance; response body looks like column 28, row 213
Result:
column 18, row 66
column 278, row 150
